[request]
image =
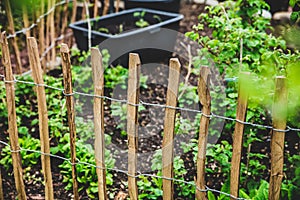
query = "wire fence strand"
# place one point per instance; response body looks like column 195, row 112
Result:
column 142, row 103
column 24, row 30
column 139, row 174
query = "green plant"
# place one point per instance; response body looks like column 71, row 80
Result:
column 119, row 111
column 28, row 158
column 116, row 76
column 86, row 171
column 240, row 40
column 182, row 189
column 295, row 15
column 150, row 188
column 141, row 22
column 103, row 30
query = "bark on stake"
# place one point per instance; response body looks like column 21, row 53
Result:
column 52, row 33
column 95, row 8
column 65, row 18
column 132, row 122
column 169, row 126
column 238, row 138
column 25, row 20
column 98, row 79
column 66, row 65
column 41, row 28
column 279, row 116
column 73, row 19
column 1, row 186
column 11, row 28
column 106, row 6
column 74, row 11
column 12, row 119
column 37, row 75
column 205, row 100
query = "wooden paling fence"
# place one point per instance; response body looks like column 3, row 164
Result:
column 277, row 144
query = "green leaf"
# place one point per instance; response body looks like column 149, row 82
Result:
column 294, row 17
column 211, row 196
column 244, row 195
column 292, row 3
column 136, row 14
column 94, row 189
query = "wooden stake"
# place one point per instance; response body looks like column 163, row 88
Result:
column 98, row 78
column 73, row 19
column 58, row 17
column 66, row 65
column 95, row 8
column 205, row 100
column 105, row 7
column 12, row 118
column 74, row 11
column 52, row 33
column 65, row 18
column 83, row 11
column 11, row 28
column 1, row 186
column 169, row 126
column 132, row 122
column 238, row 138
column 117, row 6
column 279, row 116
column 25, row 20
column 37, row 76
column 42, row 36
column 48, row 37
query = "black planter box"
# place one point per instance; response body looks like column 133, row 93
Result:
column 165, row 5
column 151, row 42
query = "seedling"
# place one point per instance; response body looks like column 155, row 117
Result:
column 141, row 22
column 157, row 17
column 103, row 30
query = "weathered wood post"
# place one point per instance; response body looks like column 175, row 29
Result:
column 205, row 100
column 279, row 116
column 68, row 90
column 98, row 79
column 132, row 122
column 169, row 126
column 238, row 137
column 37, row 75
column 11, row 28
column 12, row 118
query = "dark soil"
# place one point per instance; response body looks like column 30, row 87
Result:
column 154, row 94
column 128, row 23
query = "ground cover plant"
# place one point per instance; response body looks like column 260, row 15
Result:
column 242, row 40
column 231, row 24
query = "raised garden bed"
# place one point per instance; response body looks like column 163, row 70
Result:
column 127, row 32
column 165, row 5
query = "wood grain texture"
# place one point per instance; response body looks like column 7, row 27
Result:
column 95, row 8
column 12, row 118
column 68, row 90
column 37, row 76
column 106, row 7
column 1, row 186
column 205, row 100
column 169, row 126
column 279, row 116
column 132, row 122
column 11, row 29
column 238, row 138
column 98, row 79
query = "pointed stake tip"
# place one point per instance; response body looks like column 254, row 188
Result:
column 64, row 48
